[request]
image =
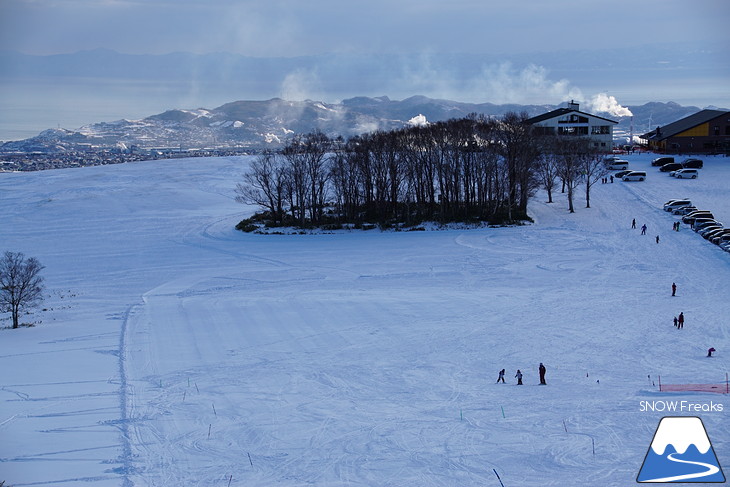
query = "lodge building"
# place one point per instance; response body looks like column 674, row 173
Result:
column 572, row 122
column 705, row 132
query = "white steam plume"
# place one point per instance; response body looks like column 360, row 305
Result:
column 603, row 103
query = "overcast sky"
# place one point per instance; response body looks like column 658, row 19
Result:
column 508, row 46
column 297, row 27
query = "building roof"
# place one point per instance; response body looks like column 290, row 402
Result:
column 561, row 112
column 674, row 128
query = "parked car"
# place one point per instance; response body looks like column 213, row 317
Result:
column 634, row 176
column 724, row 241
column 672, row 166
column 673, row 204
column 702, row 225
column 684, row 173
column 711, row 236
column 723, row 237
column 691, row 217
column 621, row 174
column 692, row 162
column 660, row 161
column 709, row 230
column 618, row 164
column 684, row 210
column 700, row 221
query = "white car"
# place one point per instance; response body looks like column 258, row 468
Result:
column 685, row 173
column 617, row 164
column 674, row 204
column 634, row 176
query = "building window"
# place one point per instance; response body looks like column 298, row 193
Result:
column 572, row 130
column 717, row 131
column 600, row 130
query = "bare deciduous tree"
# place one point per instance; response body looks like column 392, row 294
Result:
column 594, row 169
column 21, row 285
column 265, row 185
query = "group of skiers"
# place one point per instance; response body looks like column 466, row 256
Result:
column 541, row 369
column 679, row 320
column 644, row 228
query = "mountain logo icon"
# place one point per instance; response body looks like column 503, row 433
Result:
column 681, row 452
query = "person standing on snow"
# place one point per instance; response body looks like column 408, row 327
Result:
column 542, row 374
column 633, row 223
column 501, row 376
column 643, row 229
column 519, row 377
column 674, row 289
column 675, row 322
column 680, row 321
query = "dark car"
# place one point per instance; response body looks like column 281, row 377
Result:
column 693, row 163
column 725, row 237
column 672, row 166
column 691, row 217
column 660, row 161
column 717, row 236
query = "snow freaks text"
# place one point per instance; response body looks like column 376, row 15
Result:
column 680, row 407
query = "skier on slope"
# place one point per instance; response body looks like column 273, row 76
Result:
column 542, row 374
column 680, row 320
column 519, row 377
column 501, row 377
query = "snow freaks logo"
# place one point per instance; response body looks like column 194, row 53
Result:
column 680, row 452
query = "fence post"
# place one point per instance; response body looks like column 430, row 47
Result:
column 660, row 383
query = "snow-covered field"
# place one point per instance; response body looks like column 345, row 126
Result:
column 176, row 351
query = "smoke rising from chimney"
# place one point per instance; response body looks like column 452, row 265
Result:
column 604, row 103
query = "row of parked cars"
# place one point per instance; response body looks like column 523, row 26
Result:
column 625, row 174
column 701, row 221
column 687, row 169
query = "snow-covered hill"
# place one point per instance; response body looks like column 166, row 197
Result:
column 259, row 124
column 174, row 350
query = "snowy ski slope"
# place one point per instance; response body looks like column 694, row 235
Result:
column 177, row 351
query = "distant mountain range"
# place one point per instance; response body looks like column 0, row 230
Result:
column 258, row 124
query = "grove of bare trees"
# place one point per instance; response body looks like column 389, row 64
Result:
column 470, row 169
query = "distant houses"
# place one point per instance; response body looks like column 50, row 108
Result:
column 572, row 122
column 705, row 132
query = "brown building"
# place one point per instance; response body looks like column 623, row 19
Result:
column 705, row 132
